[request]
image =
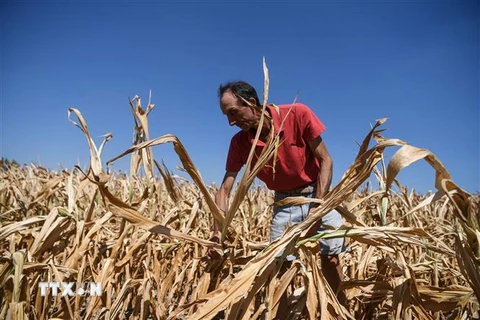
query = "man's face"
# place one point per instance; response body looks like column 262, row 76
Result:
column 237, row 113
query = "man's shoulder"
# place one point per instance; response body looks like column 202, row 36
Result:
column 299, row 109
column 294, row 106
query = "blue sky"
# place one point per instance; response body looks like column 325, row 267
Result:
column 415, row 62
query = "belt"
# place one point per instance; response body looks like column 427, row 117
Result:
column 308, row 188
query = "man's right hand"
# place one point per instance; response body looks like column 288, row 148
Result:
column 215, row 253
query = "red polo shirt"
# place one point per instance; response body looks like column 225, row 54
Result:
column 296, row 164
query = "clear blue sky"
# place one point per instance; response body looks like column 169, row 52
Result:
column 415, row 62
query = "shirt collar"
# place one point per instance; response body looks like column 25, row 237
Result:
column 274, row 112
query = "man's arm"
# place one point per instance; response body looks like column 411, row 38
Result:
column 221, row 198
column 326, row 166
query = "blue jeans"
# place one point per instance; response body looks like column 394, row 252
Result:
column 285, row 216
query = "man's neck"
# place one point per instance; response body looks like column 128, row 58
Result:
column 267, row 125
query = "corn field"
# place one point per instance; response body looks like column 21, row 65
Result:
column 144, row 237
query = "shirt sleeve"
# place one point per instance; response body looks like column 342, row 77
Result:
column 312, row 126
column 234, row 159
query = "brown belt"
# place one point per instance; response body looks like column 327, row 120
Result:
column 308, row 188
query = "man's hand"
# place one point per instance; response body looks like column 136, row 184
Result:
column 221, row 201
column 214, row 253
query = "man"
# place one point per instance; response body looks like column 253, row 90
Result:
column 303, row 166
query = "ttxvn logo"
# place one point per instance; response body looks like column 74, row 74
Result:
column 71, row 288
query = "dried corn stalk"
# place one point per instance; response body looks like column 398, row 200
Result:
column 411, row 256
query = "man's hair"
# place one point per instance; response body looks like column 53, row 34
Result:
column 240, row 89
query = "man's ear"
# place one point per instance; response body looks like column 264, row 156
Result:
column 253, row 102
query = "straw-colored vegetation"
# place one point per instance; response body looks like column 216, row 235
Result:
column 145, row 237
